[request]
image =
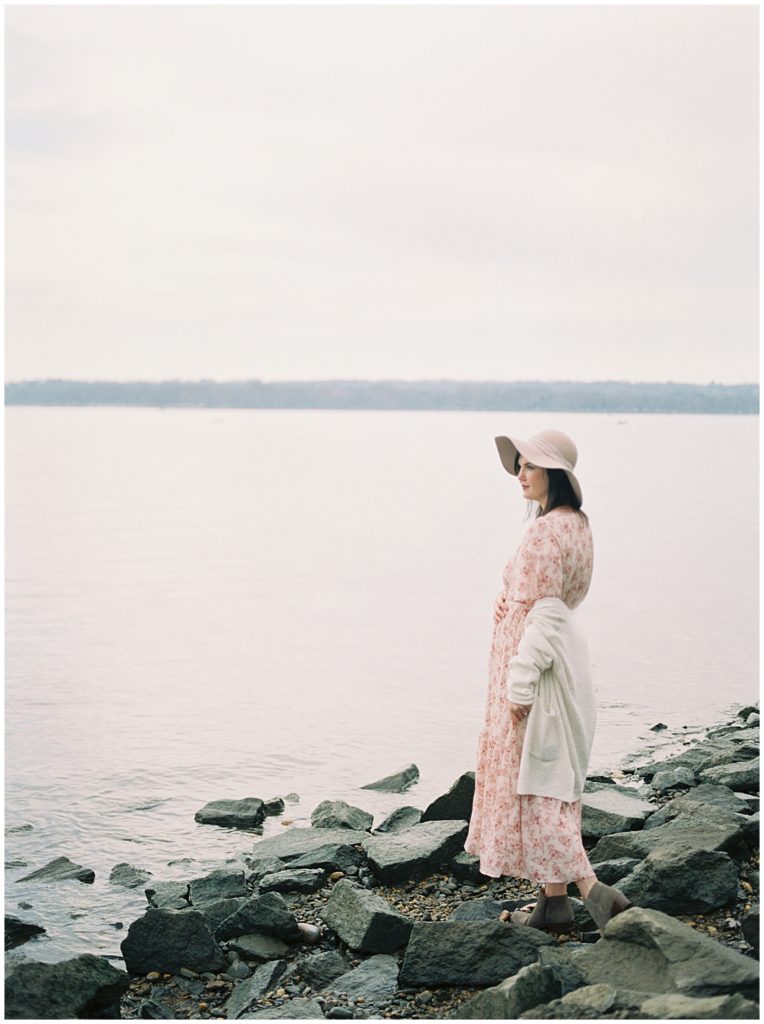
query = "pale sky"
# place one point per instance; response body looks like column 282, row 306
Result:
column 492, row 192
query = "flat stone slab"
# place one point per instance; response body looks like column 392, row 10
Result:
column 676, row 1007
column 293, row 880
column 374, row 979
column 743, row 775
column 363, row 920
column 398, row 782
column 697, row 801
column 246, row 813
column 246, row 994
column 259, row 947
column 218, row 885
column 416, row 852
column 607, row 810
column 690, row 832
column 468, row 952
column 297, row 842
column 60, row 870
column 330, row 857
column 641, row 945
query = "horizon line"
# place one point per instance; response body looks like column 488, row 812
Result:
column 371, row 380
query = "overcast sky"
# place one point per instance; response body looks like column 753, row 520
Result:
column 501, row 192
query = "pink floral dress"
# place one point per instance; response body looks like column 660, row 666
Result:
column 533, row 837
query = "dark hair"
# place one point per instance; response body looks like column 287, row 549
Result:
column 560, row 491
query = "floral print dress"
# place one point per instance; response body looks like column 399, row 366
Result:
column 533, row 837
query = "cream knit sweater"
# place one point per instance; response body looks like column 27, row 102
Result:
column 551, row 672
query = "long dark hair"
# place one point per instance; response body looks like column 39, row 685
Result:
column 560, row 492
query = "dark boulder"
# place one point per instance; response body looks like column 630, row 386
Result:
column 373, row 980
column 127, row 875
column 293, row 880
column 339, row 814
column 246, row 813
column 680, row 882
column 398, row 782
column 297, row 842
column 750, row 927
column 219, row 885
column 86, row 986
column 401, row 818
column 267, row 914
column 320, row 969
column 330, row 857
column 59, row 870
column 455, row 804
column 468, row 952
column 246, row 995
column 168, row 895
column 364, row 921
column 17, row 932
column 608, row 810
column 417, row 852
column 531, row 986
column 742, row 775
column 167, row 940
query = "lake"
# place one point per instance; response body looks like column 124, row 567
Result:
column 206, row 603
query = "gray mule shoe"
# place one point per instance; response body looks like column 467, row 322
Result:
column 604, row 903
column 551, row 914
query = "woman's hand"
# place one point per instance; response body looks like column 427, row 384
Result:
column 519, row 711
column 500, row 607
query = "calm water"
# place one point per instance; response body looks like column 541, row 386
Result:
column 205, row 604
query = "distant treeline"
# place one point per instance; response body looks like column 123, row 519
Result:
column 516, row 396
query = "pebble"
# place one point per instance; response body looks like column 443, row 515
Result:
column 186, row 972
column 153, row 976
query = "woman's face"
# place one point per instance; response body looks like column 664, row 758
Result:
column 534, row 481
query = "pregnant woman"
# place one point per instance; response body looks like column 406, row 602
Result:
column 534, row 748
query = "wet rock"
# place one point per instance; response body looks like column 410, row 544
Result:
column 267, row 914
column 373, row 980
column 259, row 866
column 336, row 814
column 750, row 927
column 398, row 782
column 150, row 1009
column 219, row 885
column 645, row 947
column 531, row 986
column 17, row 932
column 86, row 986
column 293, row 880
column 273, row 807
column 697, row 801
column 607, row 810
column 468, row 952
column 484, row 909
column 753, row 719
column 59, row 870
column 220, row 910
column 691, row 758
column 166, row 940
column 297, row 842
column 678, row 882
column 673, row 778
column 687, row 831
column 246, row 813
column 679, row 1007
column 294, row 1009
column 259, row 946
column 401, row 818
column 466, row 866
column 363, row 920
column 329, row 857
column 417, row 852
column 658, row 727
column 738, row 775
column 246, row 994
column 127, row 875
column 322, row 968
column 611, row 871
column 454, row 805
column 168, row 895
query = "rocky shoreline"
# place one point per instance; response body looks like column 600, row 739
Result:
column 345, row 921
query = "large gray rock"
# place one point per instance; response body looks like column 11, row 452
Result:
column 417, row 852
column 531, row 986
column 644, row 948
column 168, row 895
column 297, row 842
column 246, row 994
column 455, row 804
column 466, row 866
column 742, row 775
column 608, row 810
column 468, row 952
column 673, row 778
column 593, row 1002
column 374, row 979
column 697, row 801
column 330, row 857
column 86, row 986
column 127, row 875
column 295, row 1009
column 217, row 911
column 484, row 909
column 60, row 870
column 686, row 831
column 401, row 818
column 293, row 880
column 259, row 866
column 561, row 963
column 676, row 1007
column 736, row 752
column 611, row 871
column 693, row 757
column 267, row 914
column 219, row 885
column 678, row 882
column 363, row 920
column 246, row 813
column 17, row 932
column 339, row 814
column 320, row 969
column 166, row 940
column 398, row 782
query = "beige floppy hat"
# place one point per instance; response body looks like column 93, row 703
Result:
column 550, row 449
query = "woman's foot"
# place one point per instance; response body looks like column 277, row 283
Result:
column 604, row 903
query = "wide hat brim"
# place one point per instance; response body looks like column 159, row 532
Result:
column 510, row 447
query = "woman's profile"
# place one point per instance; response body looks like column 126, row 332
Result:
column 534, row 748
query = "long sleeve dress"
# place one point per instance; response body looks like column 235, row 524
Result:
column 533, row 837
